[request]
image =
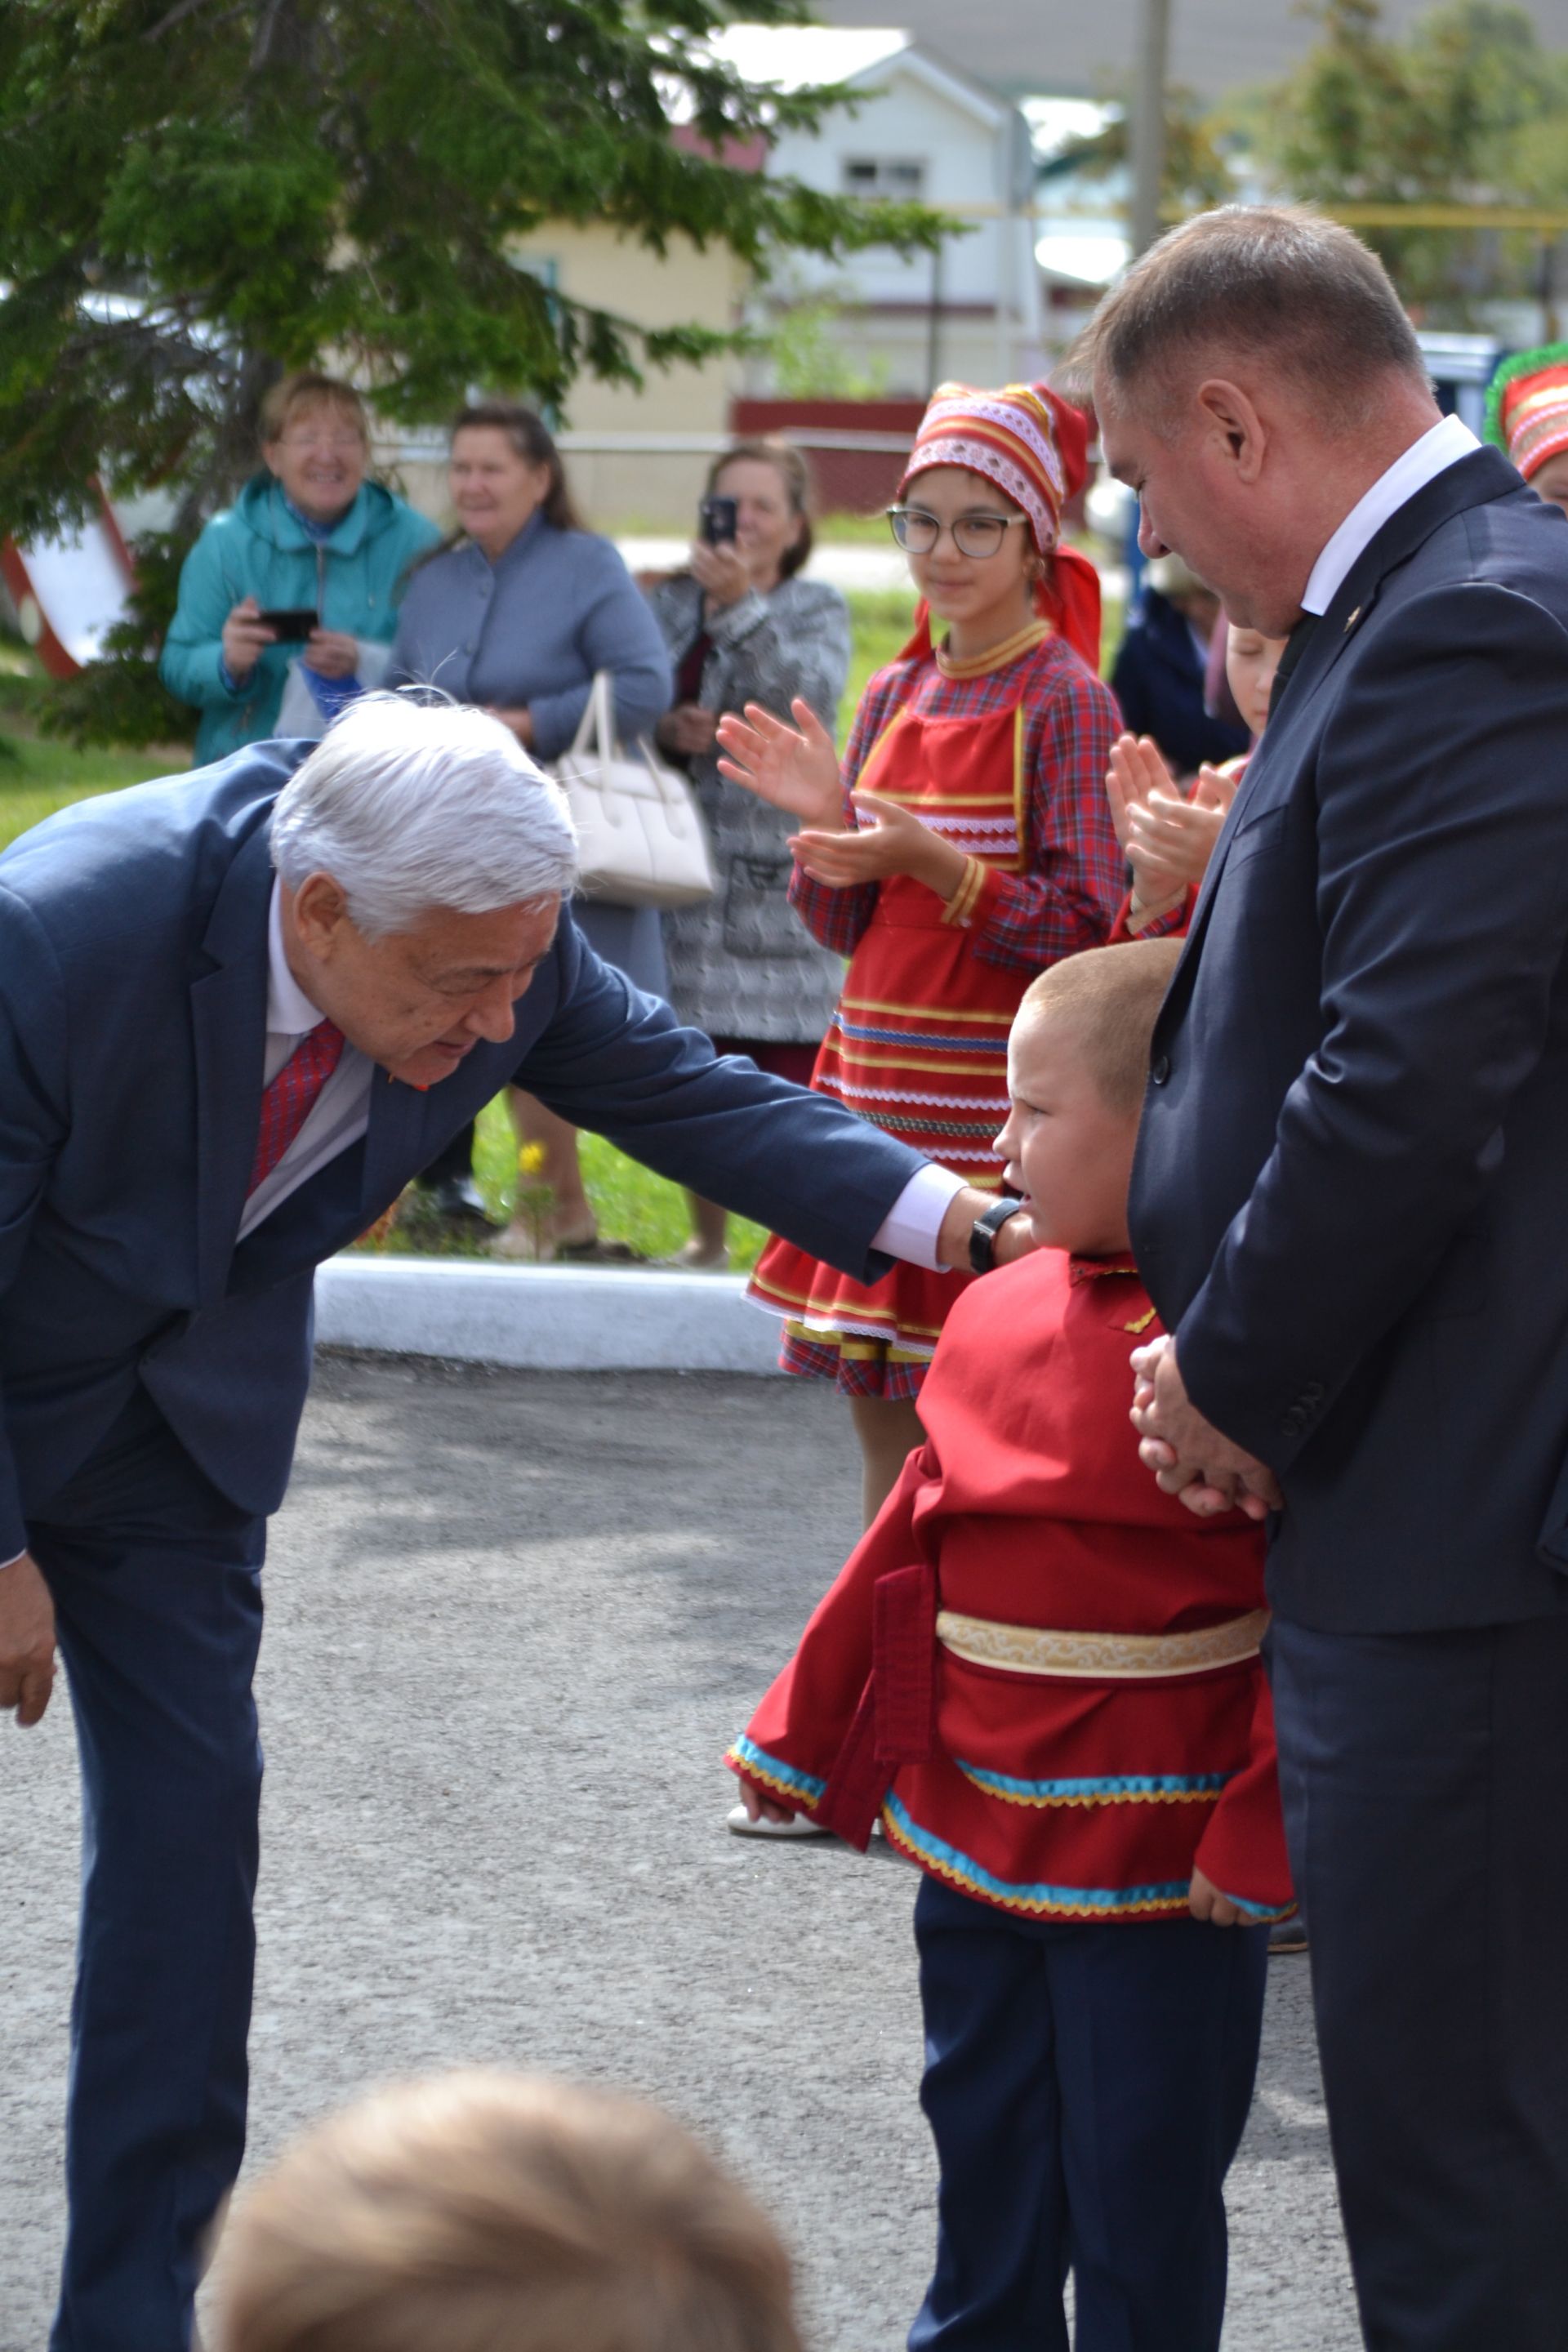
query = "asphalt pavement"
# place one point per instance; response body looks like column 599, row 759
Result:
column 514, row 1619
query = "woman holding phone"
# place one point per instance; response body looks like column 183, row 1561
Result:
column 741, row 627
column 307, row 567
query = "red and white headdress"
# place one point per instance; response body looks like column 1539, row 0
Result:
column 1527, row 407
column 1034, row 448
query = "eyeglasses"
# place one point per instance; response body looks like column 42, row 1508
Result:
column 977, row 535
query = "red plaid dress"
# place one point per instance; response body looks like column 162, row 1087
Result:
column 1008, row 762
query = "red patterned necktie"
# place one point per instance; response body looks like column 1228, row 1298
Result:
column 286, row 1105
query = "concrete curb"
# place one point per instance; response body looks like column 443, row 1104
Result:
column 543, row 1317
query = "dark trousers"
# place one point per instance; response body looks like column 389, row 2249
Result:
column 1087, row 2087
column 1426, row 1787
column 157, row 1590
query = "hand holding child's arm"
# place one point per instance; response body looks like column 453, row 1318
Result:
column 796, row 768
column 1205, row 1901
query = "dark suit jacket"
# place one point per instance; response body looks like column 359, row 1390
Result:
column 132, row 1023
column 1350, row 1195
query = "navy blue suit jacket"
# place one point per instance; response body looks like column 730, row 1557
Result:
column 132, row 1023
column 1351, row 1193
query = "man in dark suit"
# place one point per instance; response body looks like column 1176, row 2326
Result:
column 1348, row 1205
column 238, row 1012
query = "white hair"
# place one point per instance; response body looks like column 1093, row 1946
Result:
column 411, row 802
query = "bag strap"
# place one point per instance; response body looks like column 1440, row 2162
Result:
column 596, row 728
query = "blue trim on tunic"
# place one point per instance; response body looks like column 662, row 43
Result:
column 1117, row 1788
column 1103, row 1902
column 748, row 1752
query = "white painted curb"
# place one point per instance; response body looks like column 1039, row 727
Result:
column 559, row 1319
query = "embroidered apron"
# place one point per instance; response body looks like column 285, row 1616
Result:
column 918, row 1045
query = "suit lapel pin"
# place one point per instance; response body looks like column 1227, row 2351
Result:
column 1353, row 619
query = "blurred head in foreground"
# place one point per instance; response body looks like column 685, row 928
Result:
column 489, row 2212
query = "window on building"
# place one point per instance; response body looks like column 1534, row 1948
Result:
column 899, row 177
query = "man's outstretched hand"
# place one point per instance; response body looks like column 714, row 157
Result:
column 1188, row 1455
column 26, row 1641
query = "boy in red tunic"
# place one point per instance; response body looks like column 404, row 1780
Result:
column 1043, row 1675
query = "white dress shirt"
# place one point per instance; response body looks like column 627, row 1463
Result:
column 1436, row 450
column 341, row 1113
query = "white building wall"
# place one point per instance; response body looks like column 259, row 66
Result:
column 986, row 280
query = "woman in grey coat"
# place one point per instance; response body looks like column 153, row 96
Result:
column 518, row 614
column 741, row 627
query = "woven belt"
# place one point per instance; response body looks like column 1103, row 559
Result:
column 1100, row 1657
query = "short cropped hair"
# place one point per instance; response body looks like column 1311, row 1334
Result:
column 489, row 2212
column 1274, row 282
column 1112, row 997
column 411, row 802
column 308, row 393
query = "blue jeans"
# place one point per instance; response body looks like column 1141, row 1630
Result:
column 1087, row 2087
column 157, row 1590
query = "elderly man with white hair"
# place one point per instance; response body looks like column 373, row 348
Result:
column 238, row 1011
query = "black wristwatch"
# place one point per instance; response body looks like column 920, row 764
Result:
column 983, row 1233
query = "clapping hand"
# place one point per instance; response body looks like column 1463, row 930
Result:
column 796, row 768
column 1168, row 838
column 890, row 840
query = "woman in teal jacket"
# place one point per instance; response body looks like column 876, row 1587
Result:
column 310, row 531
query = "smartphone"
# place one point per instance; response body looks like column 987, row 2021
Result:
column 292, row 624
column 721, row 518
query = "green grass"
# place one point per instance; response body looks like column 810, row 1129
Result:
column 631, row 1203
column 879, row 621
column 38, row 776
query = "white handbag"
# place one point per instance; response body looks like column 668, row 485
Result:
column 640, row 833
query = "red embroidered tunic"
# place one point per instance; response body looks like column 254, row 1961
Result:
column 1064, row 883
column 1090, row 1791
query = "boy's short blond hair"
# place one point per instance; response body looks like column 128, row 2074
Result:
column 1113, row 996
column 490, row 2212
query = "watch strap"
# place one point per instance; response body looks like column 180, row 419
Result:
column 983, row 1233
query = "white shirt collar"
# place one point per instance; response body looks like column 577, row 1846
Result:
column 1436, row 451
column 289, row 1012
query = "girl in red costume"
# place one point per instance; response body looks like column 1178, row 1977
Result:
column 966, row 844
